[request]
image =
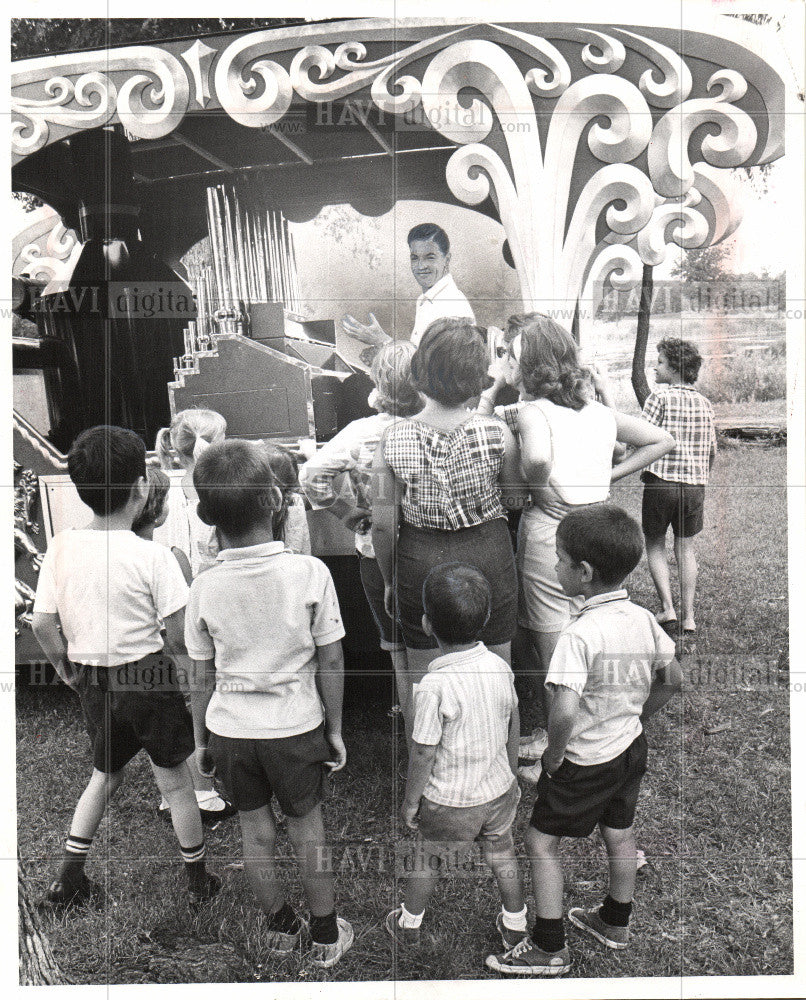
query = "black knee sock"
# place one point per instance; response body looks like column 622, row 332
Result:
column 284, row 920
column 324, row 930
column 614, row 913
column 75, row 854
column 549, row 934
column 194, row 865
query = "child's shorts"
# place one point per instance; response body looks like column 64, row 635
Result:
column 490, row 822
column 132, row 707
column 665, row 502
column 292, row 768
column 577, row 797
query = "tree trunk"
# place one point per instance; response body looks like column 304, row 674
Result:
column 38, row 967
column 639, row 380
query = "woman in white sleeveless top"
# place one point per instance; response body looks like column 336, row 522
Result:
column 567, row 441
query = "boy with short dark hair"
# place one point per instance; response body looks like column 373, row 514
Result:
column 461, row 783
column 613, row 667
column 674, row 486
column 108, row 590
column 264, row 630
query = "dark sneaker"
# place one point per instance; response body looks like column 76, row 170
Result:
column 66, row 893
column 408, row 937
column 591, row 923
column 209, row 888
column 325, row 955
column 526, row 959
column 508, row 938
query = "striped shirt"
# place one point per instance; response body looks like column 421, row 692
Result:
column 449, row 478
column 688, row 416
column 462, row 707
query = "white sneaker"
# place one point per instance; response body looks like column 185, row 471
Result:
column 531, row 747
column 531, row 772
column 325, row 955
column 640, row 860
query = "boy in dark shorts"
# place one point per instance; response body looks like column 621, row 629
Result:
column 461, row 783
column 108, row 590
column 264, row 631
column 613, row 667
column 674, row 486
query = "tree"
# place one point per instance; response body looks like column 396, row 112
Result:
column 702, row 264
column 38, row 967
column 639, row 379
column 32, row 36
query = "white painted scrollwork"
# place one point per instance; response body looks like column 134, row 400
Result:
column 143, row 87
column 241, row 65
column 670, row 168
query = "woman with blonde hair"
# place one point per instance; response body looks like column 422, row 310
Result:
column 349, row 497
column 567, row 441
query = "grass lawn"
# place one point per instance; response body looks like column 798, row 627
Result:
column 714, row 815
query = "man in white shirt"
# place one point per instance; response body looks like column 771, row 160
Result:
column 429, row 247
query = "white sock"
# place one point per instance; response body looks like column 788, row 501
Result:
column 411, row 920
column 514, row 921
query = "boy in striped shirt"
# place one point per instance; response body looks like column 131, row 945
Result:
column 461, row 783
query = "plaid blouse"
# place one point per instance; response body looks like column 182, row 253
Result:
column 450, row 478
column 688, row 416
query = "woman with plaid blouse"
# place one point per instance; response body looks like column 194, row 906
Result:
column 437, row 496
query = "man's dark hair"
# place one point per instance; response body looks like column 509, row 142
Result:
column 604, row 536
column 236, row 485
column 450, row 365
column 430, row 231
column 457, row 600
column 683, row 358
column 104, row 463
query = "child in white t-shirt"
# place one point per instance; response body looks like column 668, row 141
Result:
column 613, row 667
column 109, row 591
column 264, row 631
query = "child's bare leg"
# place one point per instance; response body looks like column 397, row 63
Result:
column 659, row 571
column 200, row 783
column 504, row 866
column 547, row 873
column 177, row 789
column 687, row 571
column 307, row 835
column 420, row 884
column 621, row 855
column 93, row 802
column 259, row 837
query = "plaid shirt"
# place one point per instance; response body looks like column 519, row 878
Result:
column 688, row 416
column 450, row 479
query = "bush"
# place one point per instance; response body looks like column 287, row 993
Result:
column 745, row 379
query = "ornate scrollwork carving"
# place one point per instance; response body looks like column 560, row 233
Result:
column 150, row 102
column 239, row 68
column 670, row 168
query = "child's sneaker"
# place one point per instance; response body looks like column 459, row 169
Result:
column 279, row 943
column 508, row 938
column 408, row 937
column 531, row 747
column 65, row 893
column 591, row 923
column 205, row 890
column 526, row 959
column 531, row 772
column 325, row 955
